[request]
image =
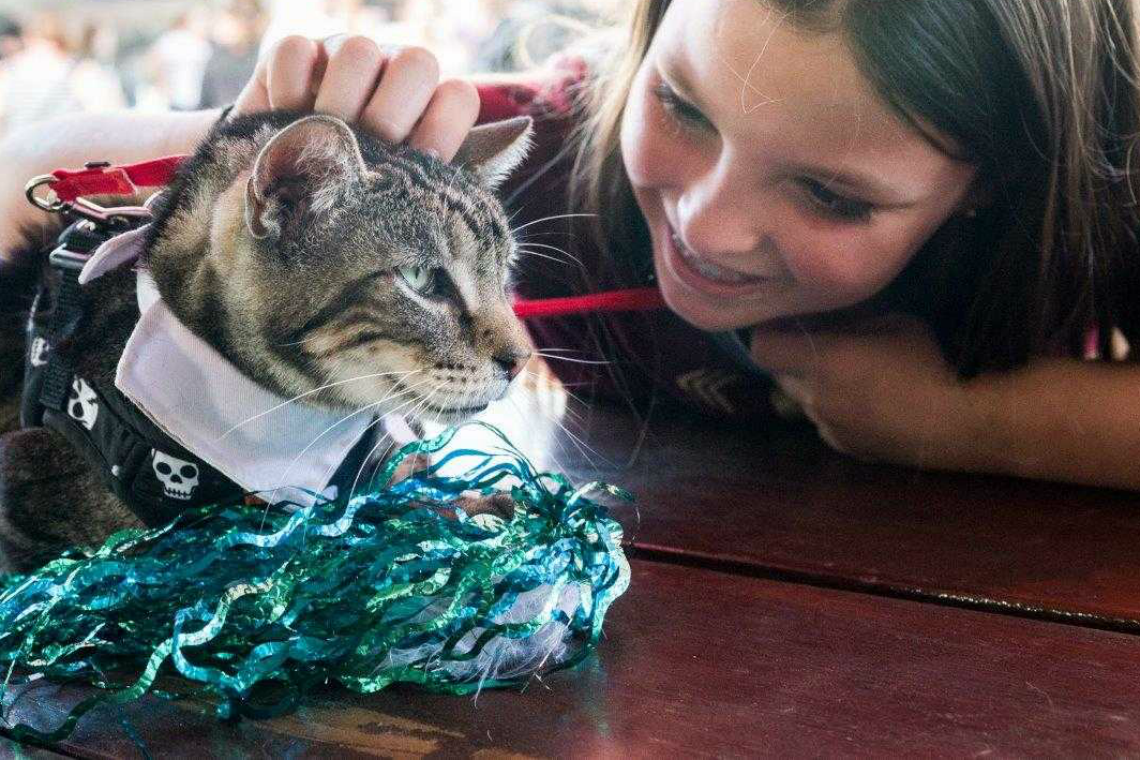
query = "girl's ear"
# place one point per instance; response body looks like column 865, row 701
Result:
column 303, row 169
column 493, row 151
column 980, row 196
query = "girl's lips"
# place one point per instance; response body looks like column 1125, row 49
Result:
column 704, row 276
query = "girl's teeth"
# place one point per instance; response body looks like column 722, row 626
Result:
column 707, row 269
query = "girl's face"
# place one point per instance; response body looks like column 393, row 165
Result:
column 773, row 179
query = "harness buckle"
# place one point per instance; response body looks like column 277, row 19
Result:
column 65, row 258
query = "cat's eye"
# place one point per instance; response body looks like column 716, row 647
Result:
column 420, row 279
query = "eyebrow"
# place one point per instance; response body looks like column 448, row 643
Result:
column 852, row 181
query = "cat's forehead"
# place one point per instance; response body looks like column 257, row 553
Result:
column 423, row 196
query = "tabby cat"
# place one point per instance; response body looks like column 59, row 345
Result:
column 326, row 266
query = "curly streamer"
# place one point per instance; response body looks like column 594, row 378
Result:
column 255, row 607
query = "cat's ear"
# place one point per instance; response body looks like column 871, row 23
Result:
column 306, row 167
column 492, row 151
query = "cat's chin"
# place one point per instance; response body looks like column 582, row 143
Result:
column 449, row 415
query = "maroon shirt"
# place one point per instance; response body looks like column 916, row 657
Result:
column 650, row 357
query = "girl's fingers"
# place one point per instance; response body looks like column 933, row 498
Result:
column 452, row 111
column 290, row 73
column 405, row 89
column 280, row 74
column 354, row 65
column 394, row 93
column 254, row 97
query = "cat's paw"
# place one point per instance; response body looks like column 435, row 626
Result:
column 498, row 504
column 415, row 464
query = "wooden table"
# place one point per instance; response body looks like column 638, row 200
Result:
column 786, row 601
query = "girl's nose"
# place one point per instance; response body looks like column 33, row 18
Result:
column 720, row 219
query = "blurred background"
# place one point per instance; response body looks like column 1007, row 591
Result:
column 88, row 55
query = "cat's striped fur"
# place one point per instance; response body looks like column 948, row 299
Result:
column 310, row 255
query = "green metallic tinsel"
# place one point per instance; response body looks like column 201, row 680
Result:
column 387, row 587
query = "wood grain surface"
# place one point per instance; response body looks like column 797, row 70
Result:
column 786, row 602
column 778, row 501
column 700, row 664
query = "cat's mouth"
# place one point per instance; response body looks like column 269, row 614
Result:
column 437, row 412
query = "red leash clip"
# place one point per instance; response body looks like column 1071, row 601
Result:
column 99, row 178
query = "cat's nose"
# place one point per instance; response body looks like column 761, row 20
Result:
column 513, row 363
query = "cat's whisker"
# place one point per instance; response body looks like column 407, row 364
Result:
column 517, row 230
column 545, row 355
column 584, row 449
column 300, row 342
column 395, row 394
column 331, row 470
column 519, row 210
column 454, row 176
column 572, row 413
column 368, row 457
column 563, row 251
column 541, row 256
column 289, row 468
column 552, row 233
column 399, row 410
column 309, row 393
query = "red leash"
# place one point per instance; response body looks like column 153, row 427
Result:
column 102, row 178
column 637, row 299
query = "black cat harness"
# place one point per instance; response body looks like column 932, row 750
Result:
column 140, row 462
column 153, row 473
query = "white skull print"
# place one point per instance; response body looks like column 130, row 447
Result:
column 83, row 404
column 40, row 350
column 179, row 478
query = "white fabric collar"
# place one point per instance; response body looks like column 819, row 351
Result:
column 198, row 398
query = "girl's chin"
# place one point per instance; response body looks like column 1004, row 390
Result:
column 697, row 314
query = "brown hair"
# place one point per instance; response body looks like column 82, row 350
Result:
column 1040, row 95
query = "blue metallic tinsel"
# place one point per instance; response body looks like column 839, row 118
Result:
column 256, row 606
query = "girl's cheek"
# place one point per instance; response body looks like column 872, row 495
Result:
column 839, row 268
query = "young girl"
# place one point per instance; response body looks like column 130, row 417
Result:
column 918, row 217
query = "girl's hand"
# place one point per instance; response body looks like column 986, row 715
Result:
column 878, row 391
column 394, row 93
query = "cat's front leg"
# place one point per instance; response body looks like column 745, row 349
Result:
column 498, row 504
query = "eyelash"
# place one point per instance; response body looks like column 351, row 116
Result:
column 823, row 200
column 837, row 206
column 682, row 111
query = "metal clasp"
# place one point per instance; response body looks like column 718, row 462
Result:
column 107, row 216
column 65, row 258
column 81, row 206
column 50, row 204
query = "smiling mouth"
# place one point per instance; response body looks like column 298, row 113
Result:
column 709, row 270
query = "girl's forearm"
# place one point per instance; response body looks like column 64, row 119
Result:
column 1064, row 420
column 70, row 141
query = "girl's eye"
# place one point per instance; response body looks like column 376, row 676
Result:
column 420, row 279
column 835, row 205
column 681, row 110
